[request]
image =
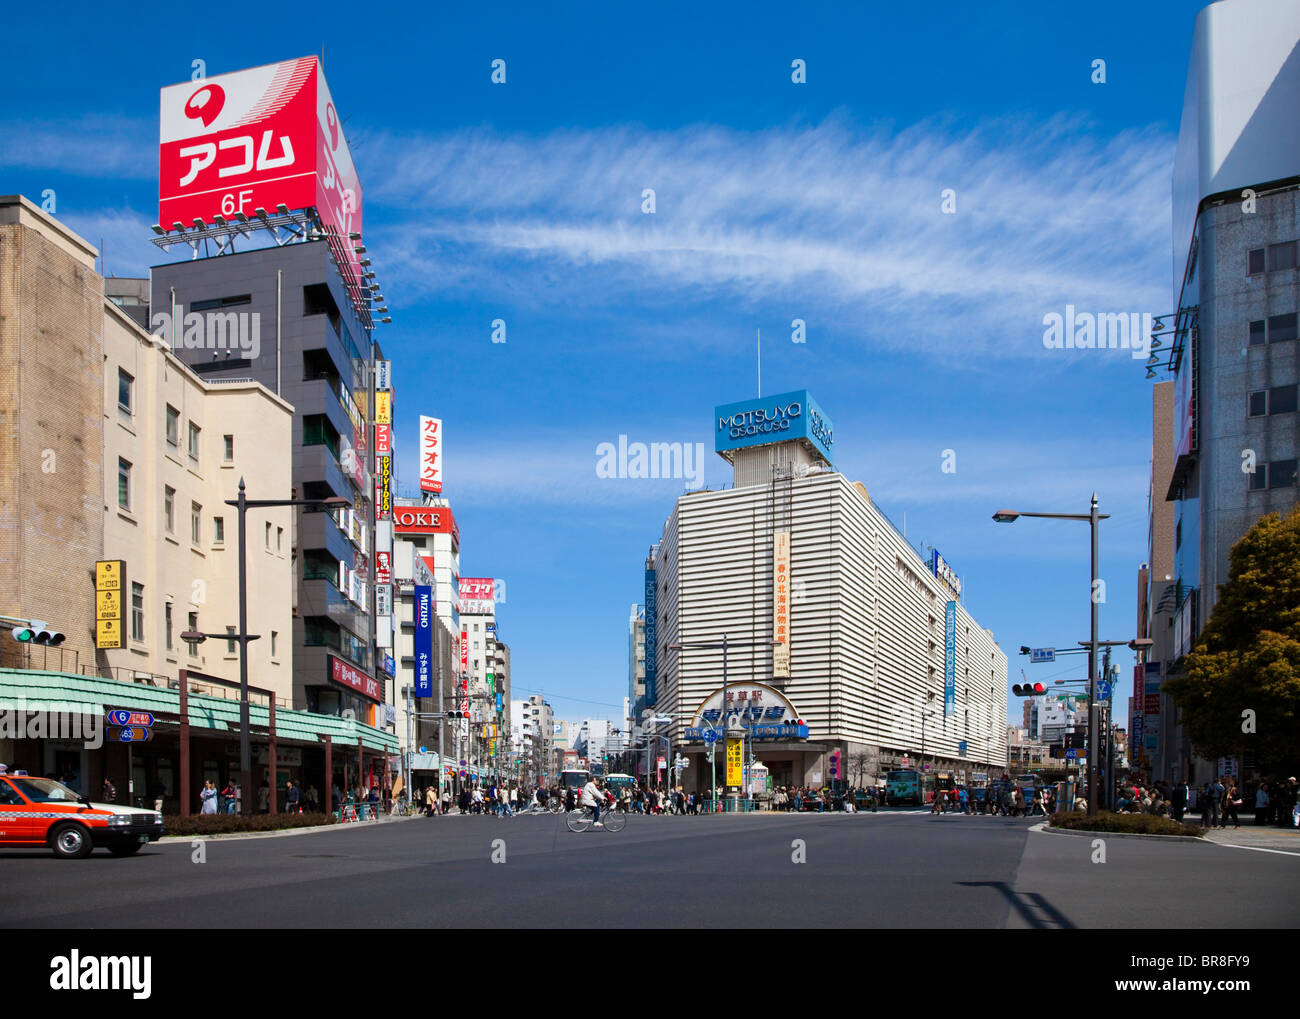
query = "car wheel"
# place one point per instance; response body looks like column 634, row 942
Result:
column 71, row 841
column 125, row 848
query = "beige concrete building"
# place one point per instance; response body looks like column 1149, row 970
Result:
column 175, row 448
column 111, row 448
column 51, row 366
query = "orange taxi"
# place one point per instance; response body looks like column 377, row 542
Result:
column 37, row 812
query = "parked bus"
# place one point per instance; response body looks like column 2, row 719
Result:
column 908, row 786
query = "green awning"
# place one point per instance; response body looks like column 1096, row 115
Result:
column 94, row 695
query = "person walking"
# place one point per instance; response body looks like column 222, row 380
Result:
column 1232, row 802
column 292, row 797
column 108, row 792
column 1213, row 804
column 1178, row 802
column 209, row 797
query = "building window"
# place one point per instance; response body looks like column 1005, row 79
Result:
column 1259, row 478
column 218, row 530
column 1257, row 333
column 137, row 612
column 196, row 523
column 194, row 442
column 1178, row 535
column 1282, row 400
column 1281, row 256
column 193, row 625
column 1282, row 327
column 1258, row 404
column 167, row 624
column 1282, row 474
column 229, row 441
column 230, row 640
column 275, row 642
column 1254, row 261
column 124, row 384
column 169, row 508
column 124, row 483
column 279, row 538
column 268, row 536
column 221, row 302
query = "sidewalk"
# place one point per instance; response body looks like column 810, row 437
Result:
column 1248, row 836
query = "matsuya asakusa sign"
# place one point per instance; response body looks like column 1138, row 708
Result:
column 763, row 710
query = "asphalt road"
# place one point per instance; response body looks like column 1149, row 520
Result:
column 908, row 870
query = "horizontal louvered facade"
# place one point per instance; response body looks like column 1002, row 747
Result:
column 866, row 631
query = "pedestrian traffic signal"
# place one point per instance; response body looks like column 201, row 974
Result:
column 1028, row 689
column 37, row 633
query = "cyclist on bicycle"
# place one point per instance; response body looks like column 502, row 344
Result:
column 592, row 798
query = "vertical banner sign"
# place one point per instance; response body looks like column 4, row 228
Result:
column 383, row 408
column 431, row 455
column 464, row 651
column 649, row 636
column 950, row 658
column 423, row 641
column 110, row 612
column 781, row 604
column 735, row 761
column 383, row 376
column 384, row 474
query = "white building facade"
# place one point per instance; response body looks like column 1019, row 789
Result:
column 798, row 552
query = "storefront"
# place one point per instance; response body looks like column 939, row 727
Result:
column 54, row 724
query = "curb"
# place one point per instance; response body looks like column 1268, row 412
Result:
column 1120, row 834
column 279, row 833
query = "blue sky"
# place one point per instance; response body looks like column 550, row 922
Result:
column 775, row 201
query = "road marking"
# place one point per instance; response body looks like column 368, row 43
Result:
column 1254, row 849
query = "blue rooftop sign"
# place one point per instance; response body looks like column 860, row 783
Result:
column 779, row 418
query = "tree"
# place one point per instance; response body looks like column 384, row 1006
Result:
column 1241, row 690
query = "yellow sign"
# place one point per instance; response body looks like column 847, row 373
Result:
column 384, row 408
column 110, row 614
column 108, row 633
column 735, row 761
column 108, row 574
column 108, row 605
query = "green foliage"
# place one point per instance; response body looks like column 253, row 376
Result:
column 1132, row 824
column 1244, row 672
column 226, row 824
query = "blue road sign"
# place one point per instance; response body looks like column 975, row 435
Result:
column 133, row 734
column 1042, row 655
column 1103, row 690
column 710, row 735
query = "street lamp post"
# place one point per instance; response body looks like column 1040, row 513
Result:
column 1093, row 518
column 243, row 637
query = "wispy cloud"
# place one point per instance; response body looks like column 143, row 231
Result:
column 844, row 222
column 95, row 146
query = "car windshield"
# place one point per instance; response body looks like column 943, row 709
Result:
column 44, row 790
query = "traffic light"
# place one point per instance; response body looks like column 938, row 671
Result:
column 37, row 633
column 456, row 715
column 1028, row 689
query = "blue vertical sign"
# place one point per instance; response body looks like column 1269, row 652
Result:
column 950, row 659
column 423, row 641
column 649, row 637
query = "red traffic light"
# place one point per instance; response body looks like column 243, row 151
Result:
column 1028, row 689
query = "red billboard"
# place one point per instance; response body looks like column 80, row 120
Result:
column 354, row 679
column 267, row 136
column 425, row 520
column 476, row 595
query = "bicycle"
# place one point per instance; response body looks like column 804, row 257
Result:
column 579, row 819
column 400, row 808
